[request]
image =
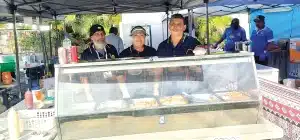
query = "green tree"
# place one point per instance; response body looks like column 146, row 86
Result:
column 3, row 25
column 217, row 26
column 78, row 26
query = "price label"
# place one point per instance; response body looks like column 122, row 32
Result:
column 162, row 120
column 227, row 138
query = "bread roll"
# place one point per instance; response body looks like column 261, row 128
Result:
column 173, row 100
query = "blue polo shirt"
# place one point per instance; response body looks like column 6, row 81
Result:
column 233, row 35
column 185, row 47
column 260, row 40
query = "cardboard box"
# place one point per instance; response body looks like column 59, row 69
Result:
column 295, row 50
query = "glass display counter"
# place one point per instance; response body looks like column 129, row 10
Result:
column 158, row 95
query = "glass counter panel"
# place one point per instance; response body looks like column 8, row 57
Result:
column 222, row 91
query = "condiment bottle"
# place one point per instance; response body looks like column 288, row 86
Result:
column 29, row 99
column 13, row 124
column 6, row 78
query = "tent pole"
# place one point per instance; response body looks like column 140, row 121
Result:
column 56, row 30
column 167, row 23
column 207, row 26
column 43, row 46
column 167, row 12
column 249, row 22
column 13, row 10
column 50, row 41
column 190, row 20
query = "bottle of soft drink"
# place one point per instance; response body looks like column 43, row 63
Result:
column 67, row 45
column 74, row 55
column 28, row 99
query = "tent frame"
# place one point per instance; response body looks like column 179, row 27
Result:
column 43, row 11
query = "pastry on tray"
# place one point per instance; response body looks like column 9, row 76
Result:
column 144, row 103
column 203, row 98
column 173, row 100
column 112, row 105
column 235, row 96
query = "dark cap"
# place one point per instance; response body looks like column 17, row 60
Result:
column 259, row 18
column 138, row 29
column 235, row 21
column 95, row 28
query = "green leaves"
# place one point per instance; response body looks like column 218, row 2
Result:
column 217, row 26
column 80, row 24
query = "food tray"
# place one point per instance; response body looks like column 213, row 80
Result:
column 203, row 98
column 143, row 103
column 112, row 105
column 173, row 100
column 226, row 96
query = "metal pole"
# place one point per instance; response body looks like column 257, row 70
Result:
column 13, row 10
column 43, row 45
column 50, row 40
column 167, row 23
column 190, row 20
column 57, row 32
column 207, row 27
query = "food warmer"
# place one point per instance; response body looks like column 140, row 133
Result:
column 195, row 97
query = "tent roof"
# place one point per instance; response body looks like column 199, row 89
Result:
column 48, row 8
column 251, row 2
column 225, row 7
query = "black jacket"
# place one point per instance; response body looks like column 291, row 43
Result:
column 131, row 52
column 90, row 54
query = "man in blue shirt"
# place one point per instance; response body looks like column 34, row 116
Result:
column 261, row 39
column 178, row 44
column 235, row 33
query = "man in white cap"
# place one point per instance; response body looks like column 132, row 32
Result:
column 138, row 47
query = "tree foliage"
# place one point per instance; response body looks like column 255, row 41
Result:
column 76, row 26
column 31, row 41
column 217, row 26
column 2, row 25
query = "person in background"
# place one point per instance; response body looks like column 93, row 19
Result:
column 98, row 49
column 235, row 33
column 114, row 39
column 261, row 39
column 138, row 47
column 178, row 44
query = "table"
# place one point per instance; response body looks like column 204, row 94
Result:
column 4, row 89
column 281, row 106
column 21, row 106
column 268, row 73
column 34, row 72
column 18, row 106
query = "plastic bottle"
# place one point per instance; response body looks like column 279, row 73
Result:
column 62, row 55
column 29, row 99
column 13, row 124
column 66, row 42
